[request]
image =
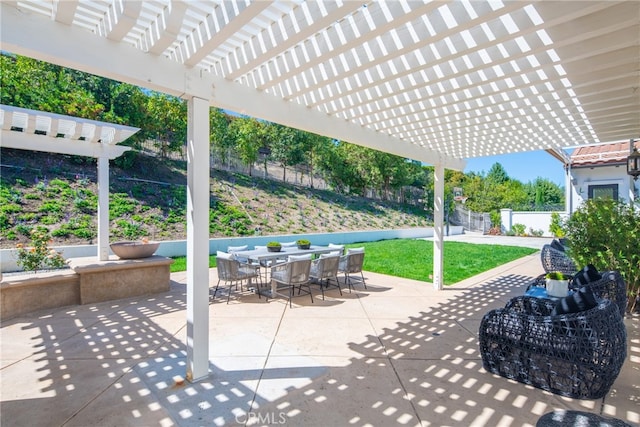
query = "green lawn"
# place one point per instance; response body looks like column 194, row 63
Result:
column 413, row 259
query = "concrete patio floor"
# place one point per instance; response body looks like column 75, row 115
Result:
column 397, row 353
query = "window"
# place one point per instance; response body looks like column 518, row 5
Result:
column 607, row 192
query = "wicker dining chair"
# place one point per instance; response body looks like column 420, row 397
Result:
column 577, row 355
column 350, row 264
column 324, row 269
column 293, row 274
column 232, row 271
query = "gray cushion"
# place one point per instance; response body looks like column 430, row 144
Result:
column 299, row 257
column 225, row 255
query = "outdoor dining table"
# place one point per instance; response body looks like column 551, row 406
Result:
column 262, row 256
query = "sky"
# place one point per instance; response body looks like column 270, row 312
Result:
column 524, row 167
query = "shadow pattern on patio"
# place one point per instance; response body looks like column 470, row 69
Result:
column 123, row 364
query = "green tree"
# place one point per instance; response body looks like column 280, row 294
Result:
column 248, row 134
column 167, row 122
column 288, row 146
column 392, row 171
column 497, row 174
column 542, row 193
column 37, row 85
column 222, row 142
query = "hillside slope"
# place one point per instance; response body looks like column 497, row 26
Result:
column 60, row 193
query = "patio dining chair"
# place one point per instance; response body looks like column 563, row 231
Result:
column 291, row 274
column 234, row 249
column 324, row 269
column 335, row 247
column 350, row 264
column 232, row 272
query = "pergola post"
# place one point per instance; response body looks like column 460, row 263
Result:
column 438, row 226
column 197, row 239
column 103, row 208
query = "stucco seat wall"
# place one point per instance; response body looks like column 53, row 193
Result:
column 88, row 281
column 25, row 293
column 116, row 278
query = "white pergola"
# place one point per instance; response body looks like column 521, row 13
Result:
column 437, row 82
column 26, row 129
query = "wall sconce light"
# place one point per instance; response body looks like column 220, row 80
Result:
column 633, row 161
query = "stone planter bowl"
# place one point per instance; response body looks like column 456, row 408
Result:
column 134, row 250
column 307, row 246
column 274, row 248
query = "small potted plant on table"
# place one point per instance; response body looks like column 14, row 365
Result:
column 274, row 247
column 303, row 244
column 557, row 284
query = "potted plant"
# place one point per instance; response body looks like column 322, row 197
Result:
column 303, row 244
column 274, row 247
column 557, row 284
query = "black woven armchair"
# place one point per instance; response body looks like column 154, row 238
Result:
column 556, row 260
column 577, row 355
column 611, row 287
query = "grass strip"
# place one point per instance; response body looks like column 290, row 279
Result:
column 413, row 259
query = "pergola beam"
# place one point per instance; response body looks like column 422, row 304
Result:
column 48, row 144
column 44, row 39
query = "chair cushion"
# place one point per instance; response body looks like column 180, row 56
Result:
column 355, row 250
column 299, row 257
column 288, row 244
column 330, row 254
column 237, row 248
column 225, row 255
column 581, row 300
column 587, row 275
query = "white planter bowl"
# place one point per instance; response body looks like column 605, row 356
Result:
column 557, row 288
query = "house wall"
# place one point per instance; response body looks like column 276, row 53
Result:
column 582, row 178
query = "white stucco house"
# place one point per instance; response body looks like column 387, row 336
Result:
column 594, row 171
column 599, row 171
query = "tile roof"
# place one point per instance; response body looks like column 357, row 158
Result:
column 615, row 153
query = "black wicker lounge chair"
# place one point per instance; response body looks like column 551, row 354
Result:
column 556, row 260
column 577, row 355
column 611, row 287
